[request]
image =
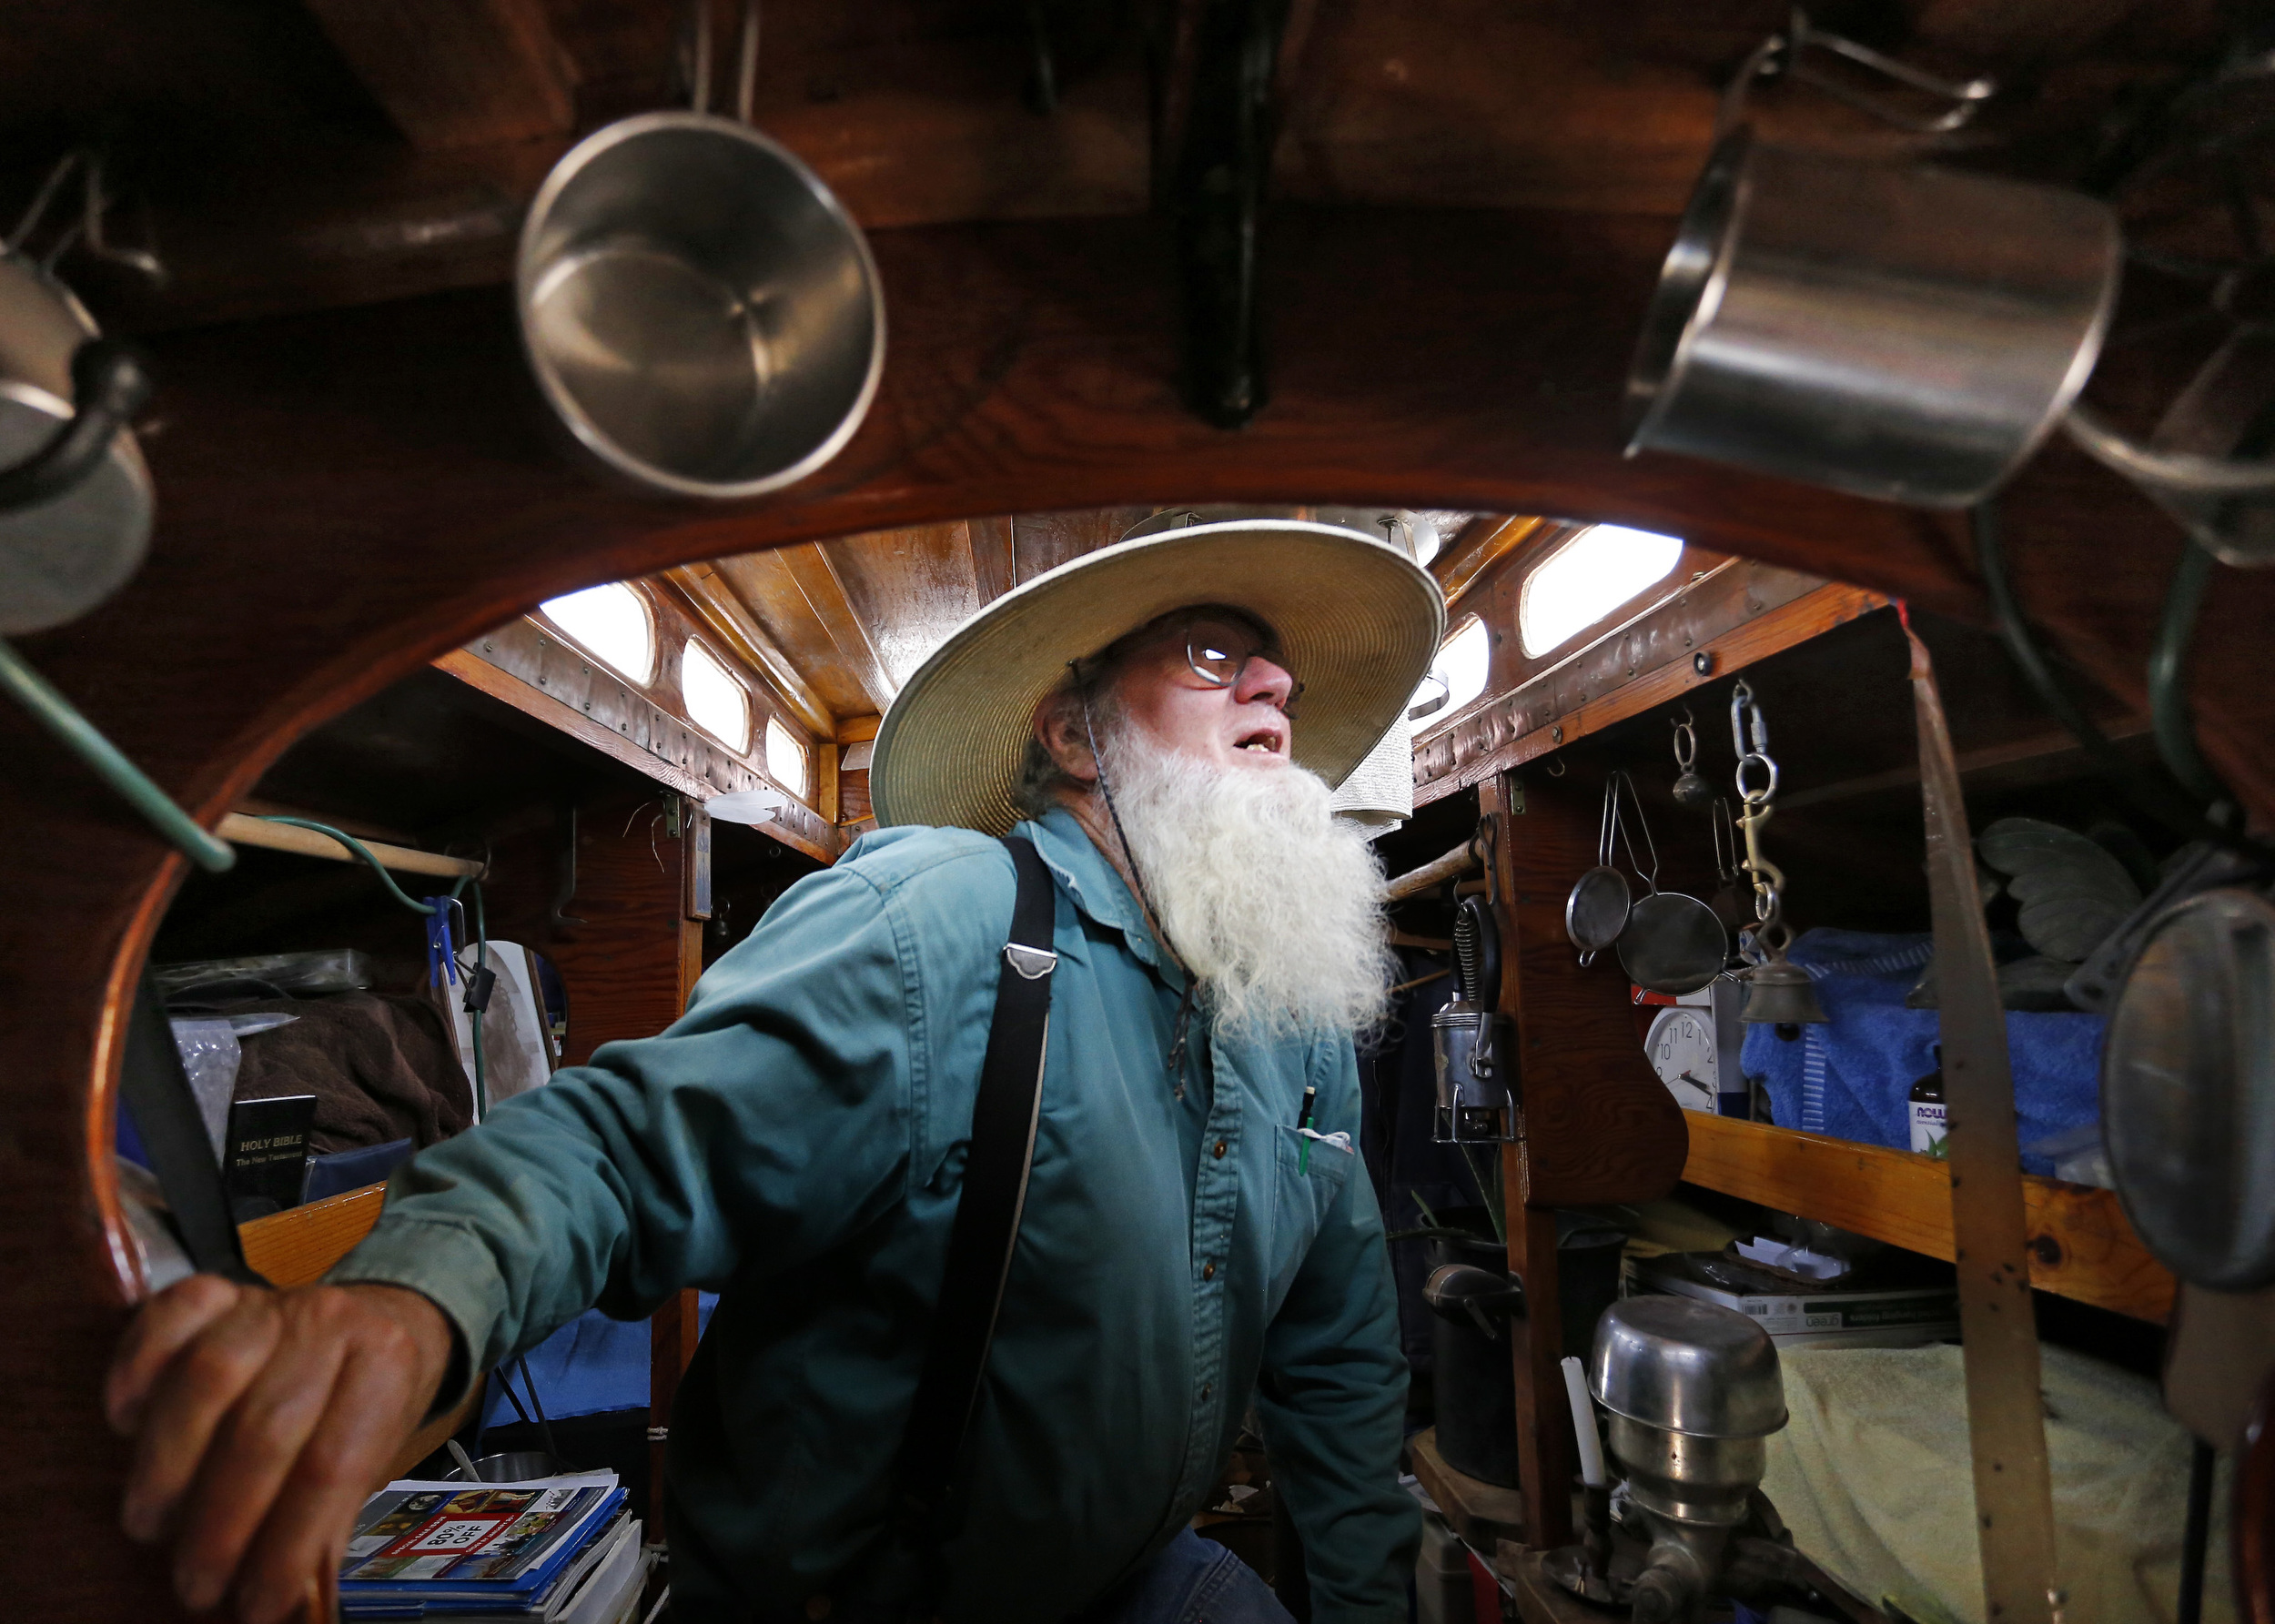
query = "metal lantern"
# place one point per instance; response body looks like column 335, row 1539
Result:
column 1474, row 1048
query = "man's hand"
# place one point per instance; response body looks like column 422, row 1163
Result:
column 261, row 1419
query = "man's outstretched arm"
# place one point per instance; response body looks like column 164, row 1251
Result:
column 769, row 1121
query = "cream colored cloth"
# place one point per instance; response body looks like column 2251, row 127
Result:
column 1872, row 1475
column 1380, row 792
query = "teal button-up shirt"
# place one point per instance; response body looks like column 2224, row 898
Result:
column 796, row 1142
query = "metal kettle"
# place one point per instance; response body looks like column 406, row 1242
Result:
column 76, row 499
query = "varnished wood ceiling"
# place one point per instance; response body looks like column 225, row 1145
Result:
column 851, row 620
column 296, row 154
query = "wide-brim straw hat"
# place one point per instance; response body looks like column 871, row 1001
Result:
column 1358, row 621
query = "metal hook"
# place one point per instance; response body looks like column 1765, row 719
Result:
column 1745, row 716
column 1556, row 768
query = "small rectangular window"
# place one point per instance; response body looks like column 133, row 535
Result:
column 787, row 760
column 716, row 701
column 1585, row 579
column 612, row 624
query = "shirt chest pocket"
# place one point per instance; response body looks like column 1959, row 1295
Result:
column 1304, row 1188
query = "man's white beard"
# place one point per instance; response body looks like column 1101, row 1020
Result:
column 1272, row 903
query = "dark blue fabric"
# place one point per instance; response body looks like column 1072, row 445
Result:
column 591, row 1366
column 353, row 1169
column 129, row 1138
column 1852, row 1077
column 1194, row 1582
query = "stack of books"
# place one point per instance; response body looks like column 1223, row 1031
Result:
column 559, row 1550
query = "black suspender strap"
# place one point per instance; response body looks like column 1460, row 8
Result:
column 986, row 1216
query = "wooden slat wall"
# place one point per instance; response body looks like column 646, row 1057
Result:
column 622, row 965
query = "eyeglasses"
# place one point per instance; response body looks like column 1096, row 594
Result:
column 1218, row 649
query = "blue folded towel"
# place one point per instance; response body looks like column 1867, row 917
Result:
column 1852, row 1077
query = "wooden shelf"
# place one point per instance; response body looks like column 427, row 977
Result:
column 241, row 828
column 295, row 1248
column 2082, row 1245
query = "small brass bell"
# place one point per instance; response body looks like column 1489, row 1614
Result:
column 1691, row 788
column 1782, row 995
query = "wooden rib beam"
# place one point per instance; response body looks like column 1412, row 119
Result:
column 1483, row 541
column 715, row 602
column 995, row 555
column 456, row 73
column 2021, row 752
column 2080, row 1244
column 809, row 565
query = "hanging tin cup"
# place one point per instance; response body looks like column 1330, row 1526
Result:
column 1911, row 334
column 700, row 309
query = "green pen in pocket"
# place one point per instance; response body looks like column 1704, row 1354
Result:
column 1303, row 1120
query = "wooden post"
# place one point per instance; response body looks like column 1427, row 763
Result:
column 1544, row 1441
column 672, row 1334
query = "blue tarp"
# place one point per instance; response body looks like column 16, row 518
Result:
column 1852, row 1077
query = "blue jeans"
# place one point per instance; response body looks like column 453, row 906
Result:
column 1193, row 1581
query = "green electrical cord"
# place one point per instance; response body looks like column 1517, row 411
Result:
column 482, row 932
column 80, row 736
column 361, row 849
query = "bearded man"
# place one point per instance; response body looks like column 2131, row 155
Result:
column 1197, row 1243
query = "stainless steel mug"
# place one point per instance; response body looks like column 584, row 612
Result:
column 1907, row 333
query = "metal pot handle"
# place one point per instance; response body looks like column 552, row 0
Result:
column 699, row 66
column 109, row 384
column 1786, row 53
column 2185, row 472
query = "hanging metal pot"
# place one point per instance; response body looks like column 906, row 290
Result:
column 1596, row 912
column 2188, row 1090
column 76, row 499
column 1667, row 942
column 699, row 308
column 1911, row 334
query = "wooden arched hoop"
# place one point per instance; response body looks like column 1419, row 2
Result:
column 344, row 495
